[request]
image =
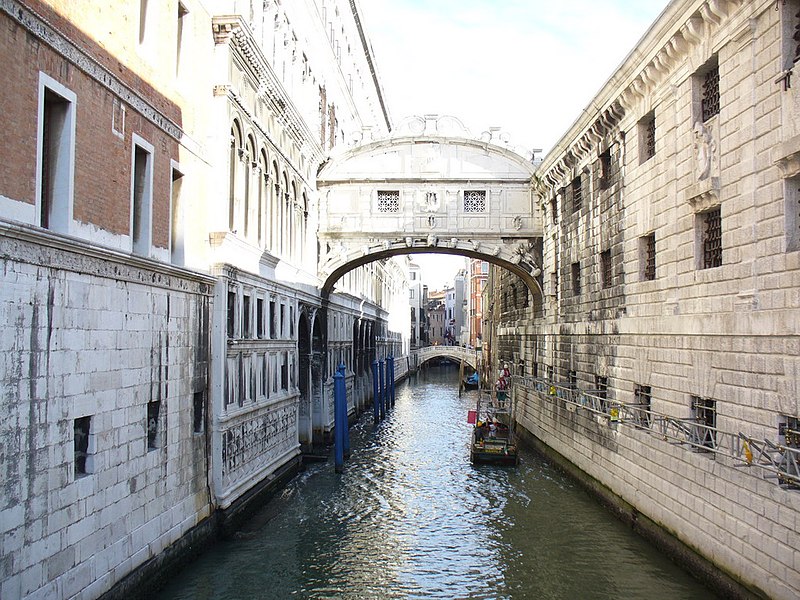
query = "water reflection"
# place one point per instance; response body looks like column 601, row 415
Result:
column 411, row 518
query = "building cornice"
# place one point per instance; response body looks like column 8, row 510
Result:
column 43, row 247
column 36, row 26
column 232, row 30
column 660, row 52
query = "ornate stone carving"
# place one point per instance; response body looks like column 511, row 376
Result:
column 705, row 148
column 431, row 203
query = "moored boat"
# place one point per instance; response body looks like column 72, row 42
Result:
column 493, row 443
column 471, row 382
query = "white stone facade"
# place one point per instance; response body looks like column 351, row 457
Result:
column 671, row 278
column 160, row 294
column 93, row 346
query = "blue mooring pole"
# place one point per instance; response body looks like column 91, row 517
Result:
column 387, row 397
column 338, row 423
column 393, row 382
column 375, row 398
column 345, row 416
column 381, row 388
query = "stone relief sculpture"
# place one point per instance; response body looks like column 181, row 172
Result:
column 432, row 239
column 705, row 147
column 431, row 221
column 432, row 203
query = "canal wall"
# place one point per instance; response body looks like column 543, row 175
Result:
column 104, row 448
column 731, row 527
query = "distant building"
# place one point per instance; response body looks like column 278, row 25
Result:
column 415, row 299
column 437, row 318
column 478, row 273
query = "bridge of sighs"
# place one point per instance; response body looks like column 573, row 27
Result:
column 429, row 188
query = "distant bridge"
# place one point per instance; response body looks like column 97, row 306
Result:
column 456, row 353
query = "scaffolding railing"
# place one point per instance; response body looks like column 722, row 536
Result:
column 775, row 461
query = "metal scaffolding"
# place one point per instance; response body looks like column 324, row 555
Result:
column 773, row 460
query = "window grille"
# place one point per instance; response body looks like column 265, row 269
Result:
column 643, row 396
column 704, row 411
column 605, row 170
column 389, row 201
column 650, row 257
column 474, row 201
column 153, row 410
column 601, row 391
column 576, row 278
column 606, row 268
column 710, row 102
column 712, row 238
column 577, row 194
column 789, row 431
column 796, row 37
column 81, row 449
column 650, row 136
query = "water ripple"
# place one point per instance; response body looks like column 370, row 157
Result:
column 411, row 518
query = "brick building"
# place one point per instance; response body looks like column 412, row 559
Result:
column 167, row 355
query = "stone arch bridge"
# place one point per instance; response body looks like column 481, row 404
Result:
column 429, row 188
column 456, row 353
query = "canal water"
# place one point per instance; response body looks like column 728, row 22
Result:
column 412, row 518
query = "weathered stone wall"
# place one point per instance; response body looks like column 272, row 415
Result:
column 742, row 523
column 96, row 334
column 674, row 318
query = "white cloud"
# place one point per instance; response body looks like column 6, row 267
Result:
column 529, row 66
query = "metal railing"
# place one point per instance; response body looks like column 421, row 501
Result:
column 775, row 461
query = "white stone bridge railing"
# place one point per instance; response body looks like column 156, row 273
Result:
column 456, row 353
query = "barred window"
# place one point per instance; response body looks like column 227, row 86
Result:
column 647, row 138
column 712, row 238
column 576, row 278
column 649, row 257
column 153, row 425
column 577, row 194
column 605, row 170
column 789, row 431
column 81, row 429
column 474, row 201
column 710, row 93
column 790, row 35
column 643, row 397
column 704, row 411
column 389, row 201
column 606, row 270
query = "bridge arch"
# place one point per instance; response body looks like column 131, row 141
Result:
column 429, row 189
column 456, row 353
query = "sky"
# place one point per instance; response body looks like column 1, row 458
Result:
column 527, row 66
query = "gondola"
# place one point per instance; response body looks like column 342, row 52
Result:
column 492, row 440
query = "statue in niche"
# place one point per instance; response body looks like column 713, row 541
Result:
column 431, row 202
column 705, row 147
